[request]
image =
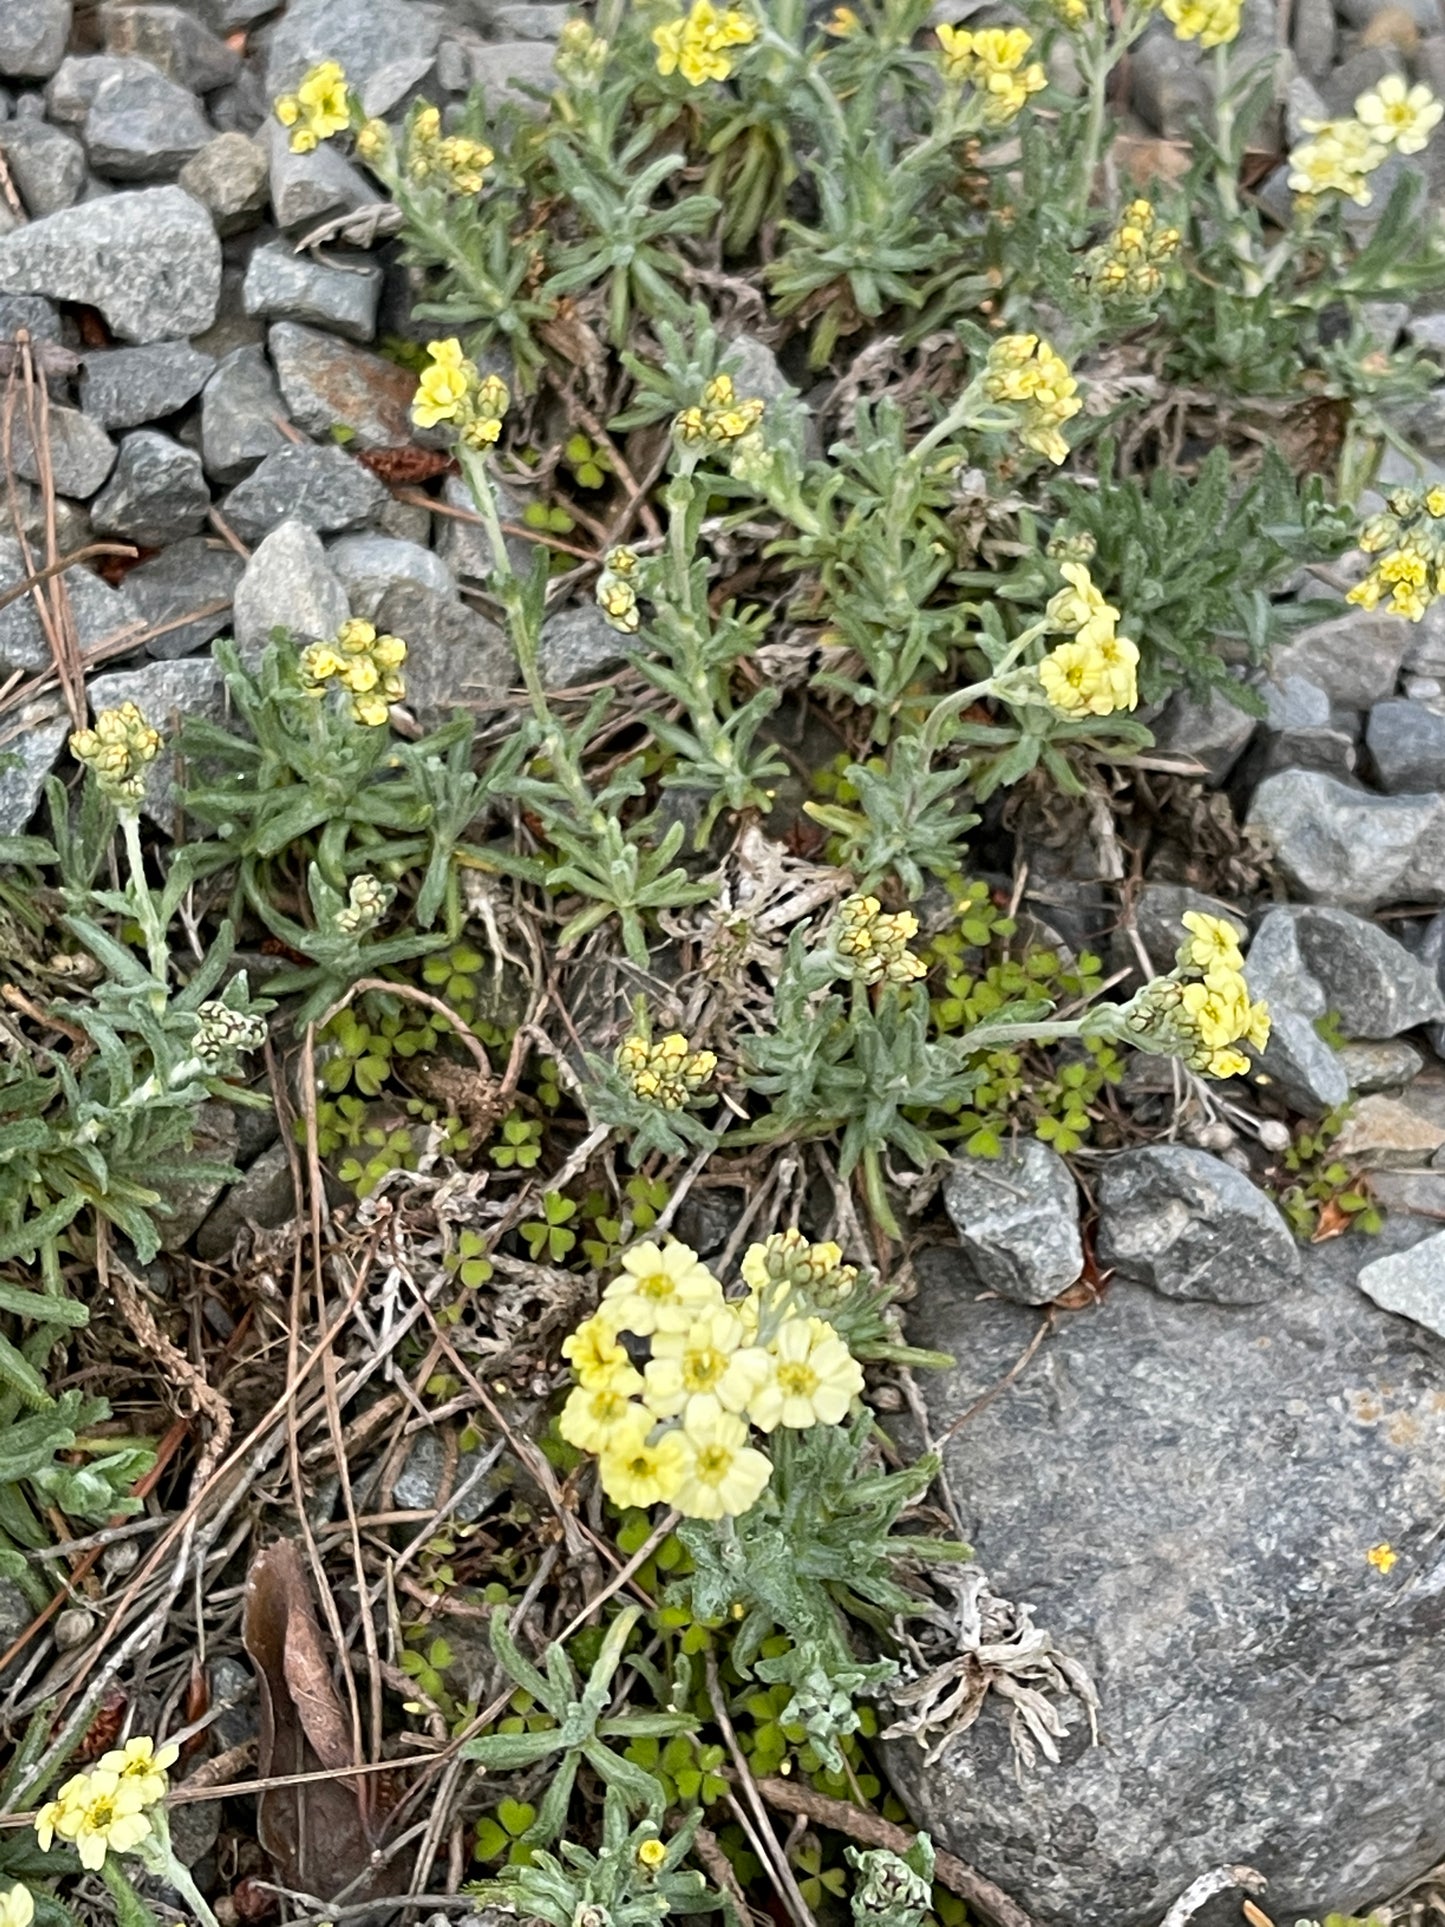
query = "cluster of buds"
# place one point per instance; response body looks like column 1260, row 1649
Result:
column 1202, row 1011
column 1341, row 155
column 1129, row 265
column 698, row 44
column 1026, row 373
column 1072, row 14
column 222, row 1032
column 581, row 54
column 721, row 417
column 358, row 660
column 1409, row 539
column 1211, row 22
column 992, row 60
column 1095, row 672
column 786, row 1267
column 108, row 1808
column 368, row 901
column 666, row 1073
column 450, row 161
column 319, row 108
column 872, row 943
column 118, row 751
column 452, row 389
column 617, row 591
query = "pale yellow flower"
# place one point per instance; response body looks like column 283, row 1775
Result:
column 597, row 1358
column 97, row 1813
column 1382, row 1557
column 1210, row 22
column 813, row 1381
column 651, row 1854
column 723, row 1476
column 318, row 109
column 596, row 1414
column 697, row 44
column 442, row 385
column 1400, row 116
column 17, row 1907
column 708, row 1359
column 662, row 1289
column 637, row 1469
column 1339, row 160
column 1211, row 944
column 138, row 1764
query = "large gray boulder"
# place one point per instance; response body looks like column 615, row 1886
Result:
column 1187, row 1494
column 1192, row 1226
column 1348, row 847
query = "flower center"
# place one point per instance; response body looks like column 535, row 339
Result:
column 702, row 1370
column 714, row 1462
column 656, row 1285
column 797, row 1381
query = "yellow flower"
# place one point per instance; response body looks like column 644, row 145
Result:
column 443, row 384
column 813, row 1381
column 1211, row 944
column 696, row 44
column 651, row 1854
column 1092, row 677
column 1080, row 607
column 17, row 1907
column 1025, row 371
column 1338, row 160
column 1402, row 117
column 662, row 1289
column 638, row 1470
column 596, row 1414
column 139, row 1765
column 667, row 1072
column 709, row 1358
column 1210, row 22
column 598, row 1360
column 722, row 1475
column 617, row 599
column 118, row 750
column 1382, row 1557
column 318, row 109
column 1218, row 1007
column 98, row 1813
column 841, row 23
column 874, row 944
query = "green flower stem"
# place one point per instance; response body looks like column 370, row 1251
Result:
column 131, row 1910
column 158, row 1857
column 1226, row 168
column 1097, row 68
column 943, row 712
column 146, row 913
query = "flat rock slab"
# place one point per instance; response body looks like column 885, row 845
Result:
column 1347, row 846
column 1411, row 1283
column 1187, row 1493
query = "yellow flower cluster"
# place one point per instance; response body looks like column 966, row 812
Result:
column 363, row 663
column 991, row 60
column 450, row 389
column 105, row 1809
column 1210, row 22
column 119, row 750
column 1070, row 13
column 722, row 417
column 698, row 44
column 319, row 108
column 1399, row 116
column 1202, row 1010
column 1095, row 673
column 873, row 944
column 676, row 1432
column 616, row 592
column 1128, row 266
column 17, row 1907
column 451, row 161
column 1025, row 371
column 1392, row 118
column 666, row 1073
column 1409, row 538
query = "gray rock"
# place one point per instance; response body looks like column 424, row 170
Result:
column 1404, row 1133
column 1331, row 751
column 1432, row 955
column 529, row 20
column 1159, row 918
column 186, row 575
column 230, row 178
column 288, row 584
column 1420, row 1191
column 306, row 188
column 1170, row 85
column 265, row 1198
column 157, row 494
column 1303, row 1068
column 1385, row 321
column 328, row 385
column 81, row 453
column 1386, row 1066
column 136, row 124
column 149, row 260
column 324, row 487
column 1355, row 658
column 123, row 387
column 1214, row 731
column 187, row 1202
column 1364, row 68
column 1346, row 846
column 28, row 512
column 1371, row 982
column 1293, row 702
column 1017, row 1219
column 1192, row 1226
column 340, row 294
column 1407, row 742
column 370, row 564
column 1267, row 1695
column 40, row 318
column 366, row 35
column 510, row 72
column 100, row 613
column 1425, row 649
column 166, row 693
column 456, row 659
column 47, row 166
column 418, row 1486
column 1411, row 1283
column 239, row 409
column 1314, row 37
column 577, row 646
column 388, row 86
column 33, row 35
column 30, row 746
column 173, row 40
column 464, row 546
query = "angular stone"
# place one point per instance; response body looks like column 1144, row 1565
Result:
column 1192, row 1226
column 307, row 188
column 136, row 124
column 323, row 487
column 1331, row 751
column 1186, row 1493
column 81, row 453
column 577, row 646
column 456, row 659
column 33, row 35
column 1371, row 982
column 149, row 260
column 1170, row 84
column 1303, row 1068
column 1386, row 1066
column 1314, row 37
column 100, row 613
column 47, row 166
column 1395, row 1133
column 1411, row 1283
column 1017, row 1219
column 1355, row 658
column 230, row 178
column 1346, row 846
column 328, row 385
column 38, row 317
column 185, row 575
column 340, row 294
column 239, row 408
column 32, row 743
column 1407, row 743
column 265, row 1198
column 288, row 584
column 511, row 72
column 172, row 39
column 365, row 35
column 123, row 387
column 1214, row 731
column 370, row 564
column 463, row 544
column 157, row 494
column 166, row 693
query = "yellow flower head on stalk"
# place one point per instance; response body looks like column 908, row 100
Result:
column 1210, row 22
column 722, row 1474
column 443, row 384
column 1024, row 372
column 663, row 1288
column 1339, row 159
column 1092, row 676
column 842, row 23
column 1398, row 115
column 142, row 1765
column 373, row 141
column 666, row 1073
column 451, row 161
column 118, row 750
column 597, row 1358
column 358, row 660
column 874, row 943
column 318, row 109
column 709, row 1359
column 813, row 1381
column 17, row 1907
column 785, row 1263
column 651, row 1854
column 991, row 60
column 596, row 1414
column 638, row 1469
column 1409, row 541
column 1079, row 609
column 1202, row 1011
column 98, row 1813
column 1212, row 944
column 1130, row 263
column 721, row 417
column 698, row 44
